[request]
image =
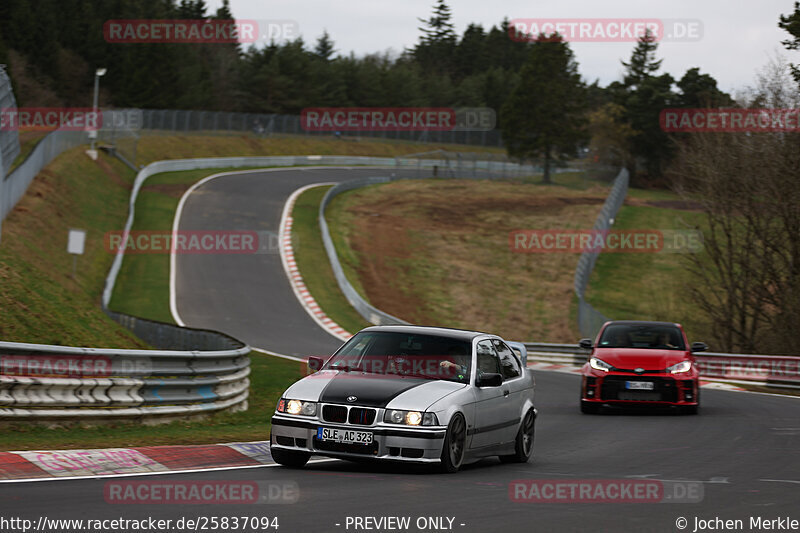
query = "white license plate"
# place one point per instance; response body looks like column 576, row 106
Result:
column 346, row 436
column 639, row 385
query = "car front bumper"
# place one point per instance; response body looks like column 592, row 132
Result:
column 610, row 388
column 390, row 443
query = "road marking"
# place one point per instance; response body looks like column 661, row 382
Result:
column 293, row 274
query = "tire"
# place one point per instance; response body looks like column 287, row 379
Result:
column 288, row 458
column 455, row 442
column 691, row 409
column 523, row 446
column 590, row 408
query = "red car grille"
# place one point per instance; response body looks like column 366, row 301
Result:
column 664, row 390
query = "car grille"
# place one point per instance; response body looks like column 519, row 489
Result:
column 361, row 416
column 334, row 413
column 361, row 449
column 664, row 390
column 340, row 414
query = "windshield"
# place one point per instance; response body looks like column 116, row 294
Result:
column 404, row 354
column 642, row 336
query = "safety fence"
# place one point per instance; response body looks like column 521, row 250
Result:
column 776, row 371
column 187, row 121
column 590, row 320
column 9, row 139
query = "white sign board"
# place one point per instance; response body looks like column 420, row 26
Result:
column 76, row 242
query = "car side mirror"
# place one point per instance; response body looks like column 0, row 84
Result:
column 490, row 379
column 315, row 363
column 699, row 347
column 586, row 344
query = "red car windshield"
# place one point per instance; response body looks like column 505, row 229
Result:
column 653, row 337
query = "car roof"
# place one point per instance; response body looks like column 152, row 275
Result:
column 642, row 323
column 461, row 334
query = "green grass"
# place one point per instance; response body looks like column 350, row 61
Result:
column 648, row 286
column 442, row 250
column 269, row 377
column 313, row 263
column 40, row 300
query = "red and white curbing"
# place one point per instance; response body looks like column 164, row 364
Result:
column 295, row 278
column 70, row 464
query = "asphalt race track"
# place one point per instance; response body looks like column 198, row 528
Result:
column 248, row 296
column 743, row 448
column 739, row 447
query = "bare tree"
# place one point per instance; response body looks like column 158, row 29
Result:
column 747, row 279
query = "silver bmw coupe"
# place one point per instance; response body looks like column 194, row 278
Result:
column 415, row 394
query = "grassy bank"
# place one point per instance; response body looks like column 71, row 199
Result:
column 437, row 252
column 41, row 301
column 648, row 286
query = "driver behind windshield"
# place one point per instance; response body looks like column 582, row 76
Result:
column 458, row 362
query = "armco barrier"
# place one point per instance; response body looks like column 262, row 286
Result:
column 56, row 383
column 767, row 370
column 590, row 320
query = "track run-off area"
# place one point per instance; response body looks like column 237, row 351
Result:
column 742, row 450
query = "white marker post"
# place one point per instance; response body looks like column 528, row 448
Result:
column 75, row 246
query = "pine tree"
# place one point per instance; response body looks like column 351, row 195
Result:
column 545, row 115
column 324, row 47
column 791, row 23
column 643, row 62
column 436, row 46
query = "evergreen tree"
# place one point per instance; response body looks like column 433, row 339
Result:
column 642, row 64
column 324, row 47
column 545, row 114
column 791, row 23
column 438, row 41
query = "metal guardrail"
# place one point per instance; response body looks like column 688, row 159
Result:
column 591, row 320
column 768, row 370
column 41, row 381
column 370, row 313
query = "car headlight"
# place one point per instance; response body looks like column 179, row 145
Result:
column 297, row 407
column 410, row 418
column 599, row 364
column 680, row 368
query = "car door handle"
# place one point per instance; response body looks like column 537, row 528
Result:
column 505, row 392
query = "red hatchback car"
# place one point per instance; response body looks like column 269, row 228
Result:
column 640, row 363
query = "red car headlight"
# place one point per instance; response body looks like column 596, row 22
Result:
column 599, row 364
column 680, row 368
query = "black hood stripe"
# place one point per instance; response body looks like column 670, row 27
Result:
column 370, row 391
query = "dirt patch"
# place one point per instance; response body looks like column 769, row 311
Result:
column 438, row 253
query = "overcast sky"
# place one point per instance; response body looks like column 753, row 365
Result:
column 738, row 36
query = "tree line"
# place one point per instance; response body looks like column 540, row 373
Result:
column 52, row 52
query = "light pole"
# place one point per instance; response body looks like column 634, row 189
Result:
column 93, row 134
